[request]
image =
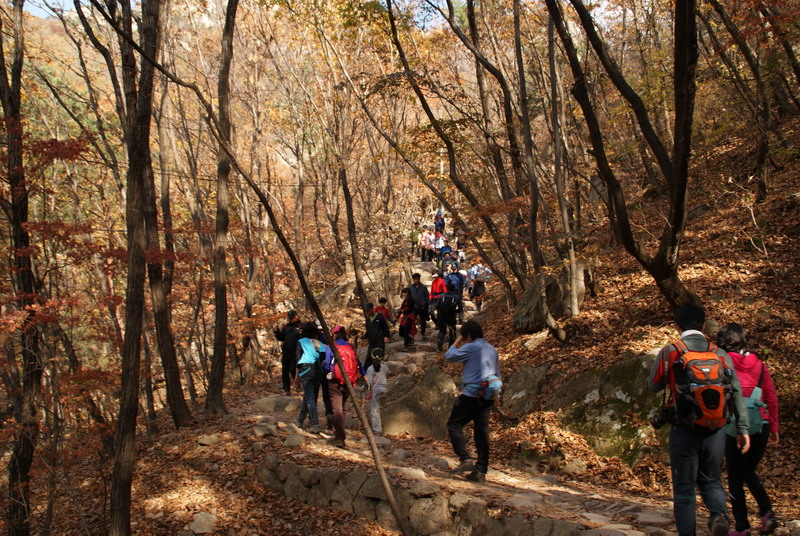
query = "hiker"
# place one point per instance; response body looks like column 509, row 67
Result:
column 382, row 309
column 414, row 236
column 762, row 414
column 459, row 281
column 438, row 244
column 438, row 221
column 377, row 331
column 447, row 308
column 448, row 261
column 481, row 374
column 477, row 275
column 408, row 318
column 697, row 418
column 310, row 354
column 446, row 248
column 288, row 336
column 428, row 243
column 376, row 379
column 336, row 382
column 422, row 301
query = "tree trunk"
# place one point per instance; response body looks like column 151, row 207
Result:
column 214, row 401
column 358, row 267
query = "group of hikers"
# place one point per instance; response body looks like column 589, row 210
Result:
column 719, row 397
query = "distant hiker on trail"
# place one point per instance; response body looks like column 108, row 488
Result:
column 438, row 222
column 438, row 244
column 376, row 379
column 377, row 331
column 408, row 318
column 382, row 309
column 697, row 417
column 414, row 237
column 477, row 275
column 310, row 356
column 458, row 281
column 336, row 382
column 446, row 248
column 447, row 308
column 762, row 414
column 448, row 261
column 428, row 245
column 481, row 374
column 438, row 287
column 288, row 335
column 422, row 301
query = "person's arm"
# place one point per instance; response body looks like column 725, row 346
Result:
column 739, row 407
column 771, row 399
column 457, row 353
column 657, row 381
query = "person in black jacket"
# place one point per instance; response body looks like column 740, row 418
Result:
column 377, row 334
column 288, row 335
column 422, row 302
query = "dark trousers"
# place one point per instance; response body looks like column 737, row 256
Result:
column 741, row 471
column 339, row 397
column 326, row 401
column 466, row 409
column 311, row 383
column 288, row 371
column 447, row 329
column 696, row 460
column 422, row 316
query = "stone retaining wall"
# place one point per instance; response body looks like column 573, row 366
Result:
column 428, row 509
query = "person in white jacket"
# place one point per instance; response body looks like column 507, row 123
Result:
column 376, row 379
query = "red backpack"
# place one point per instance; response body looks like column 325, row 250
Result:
column 702, row 388
column 350, row 360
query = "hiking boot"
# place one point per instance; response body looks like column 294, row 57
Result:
column 464, row 466
column 440, row 346
column 734, row 532
column 720, row 526
column 337, row 442
column 768, row 523
column 476, row 476
column 315, row 429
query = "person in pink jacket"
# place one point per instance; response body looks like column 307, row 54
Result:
column 752, row 373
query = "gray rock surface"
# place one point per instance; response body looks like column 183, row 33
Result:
column 424, row 410
column 209, row 440
column 294, row 441
column 203, row 523
column 429, row 515
column 520, row 388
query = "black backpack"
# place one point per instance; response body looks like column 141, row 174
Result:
column 448, row 306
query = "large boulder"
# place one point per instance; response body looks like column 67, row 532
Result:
column 521, row 387
column 424, row 409
column 528, row 317
column 598, row 404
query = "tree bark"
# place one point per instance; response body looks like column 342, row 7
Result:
column 214, row 401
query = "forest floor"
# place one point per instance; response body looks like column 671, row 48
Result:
column 741, row 258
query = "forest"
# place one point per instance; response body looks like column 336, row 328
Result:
column 177, row 175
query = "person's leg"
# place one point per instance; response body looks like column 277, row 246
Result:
column 310, row 398
column 326, row 400
column 286, row 373
column 736, row 473
column 462, row 414
column 337, row 402
column 684, row 451
column 482, row 435
column 451, row 334
column 374, row 408
column 758, row 444
column 368, row 359
column 441, row 336
column 709, row 474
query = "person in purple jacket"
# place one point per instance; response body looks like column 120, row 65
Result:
column 752, row 373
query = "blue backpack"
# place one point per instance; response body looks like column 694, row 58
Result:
column 753, row 403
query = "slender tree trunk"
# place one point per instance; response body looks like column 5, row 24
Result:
column 358, row 267
column 214, row 401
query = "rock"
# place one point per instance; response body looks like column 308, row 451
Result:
column 656, row 531
column 342, row 499
column 271, row 462
column 423, row 489
column 309, row 476
column 271, row 403
column 424, row 410
column 292, row 428
column 294, row 441
column 436, row 462
column 397, row 368
column 184, row 533
column 398, row 455
column 316, row 497
column 521, row 388
column 203, row 523
column 259, row 446
column 575, row 466
column 524, row 501
column 384, row 516
column 793, row 527
column 294, row 488
column 328, row 481
column 364, row 507
column 493, row 527
column 528, row 313
column 260, row 431
column 651, row 518
column 596, row 518
column 373, row 489
column 355, row 480
column 209, row 440
column 231, row 532
column 545, row 480
column 517, row 525
column 474, row 513
column 459, row 500
column 554, row 527
column 268, row 419
column 412, row 473
column 536, row 340
column 286, row 470
column 381, row 441
column 429, row 515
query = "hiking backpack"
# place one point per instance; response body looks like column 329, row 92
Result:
column 702, row 388
column 448, row 307
column 488, row 389
column 350, row 361
column 753, row 403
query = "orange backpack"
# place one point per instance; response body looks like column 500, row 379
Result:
column 350, row 360
column 702, row 388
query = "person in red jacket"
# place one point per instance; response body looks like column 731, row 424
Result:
column 752, row 373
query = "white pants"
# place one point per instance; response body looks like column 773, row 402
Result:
column 374, row 409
